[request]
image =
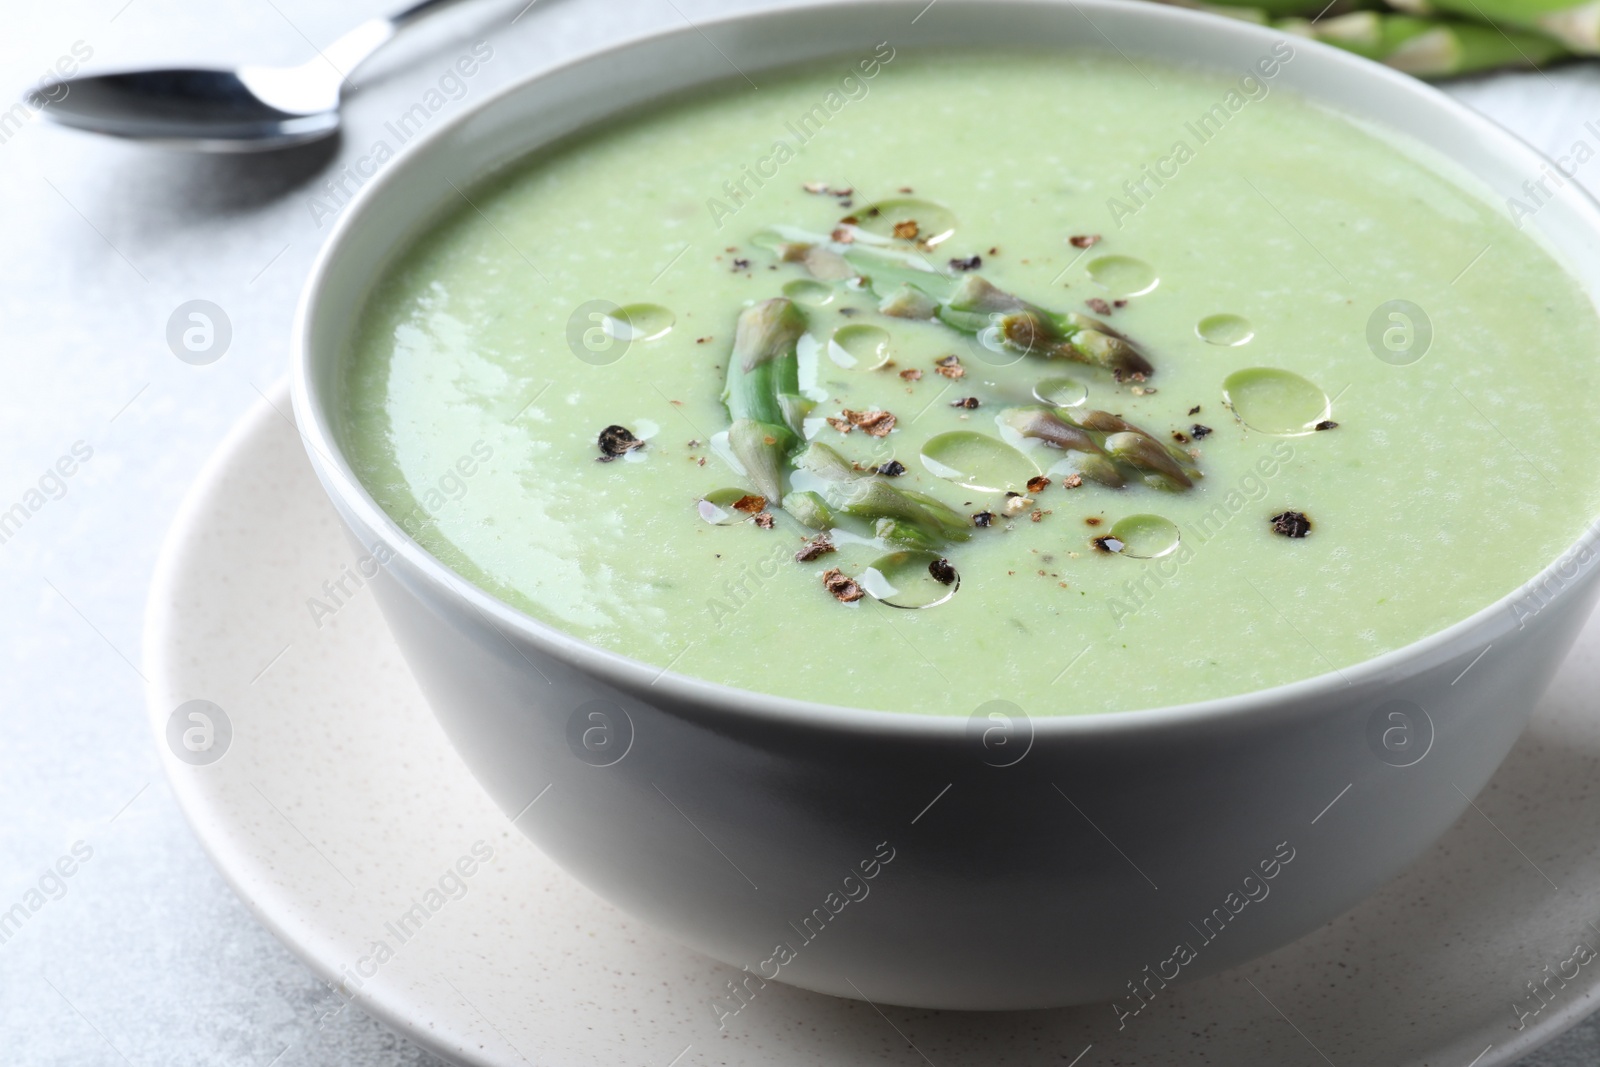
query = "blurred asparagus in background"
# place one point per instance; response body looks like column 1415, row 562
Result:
column 1428, row 46
column 1575, row 26
column 1433, row 38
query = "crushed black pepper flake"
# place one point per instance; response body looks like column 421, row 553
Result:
column 1036, row 515
column 1327, row 424
column 905, row 189
column 1195, row 410
column 764, row 520
column 847, row 312
column 741, row 264
column 1072, row 481
column 1038, row 483
column 616, row 441
column 842, row 235
column 1107, row 544
column 1180, row 437
column 1291, row 524
column 1098, row 306
column 983, row 518
column 972, row 262
column 1198, row 431
column 911, row 375
column 816, row 547
column 942, row 571
column 702, row 340
column 950, row 366
column 892, row 469
column 876, row 423
column 1119, row 303
column 750, row 503
column 906, row 229
column 968, row 402
column 842, row 586
column 1093, row 520
column 1084, row 240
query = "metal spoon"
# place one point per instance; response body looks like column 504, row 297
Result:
column 251, row 109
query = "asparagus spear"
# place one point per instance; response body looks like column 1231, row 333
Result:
column 904, row 516
column 810, row 510
column 1432, row 38
column 1262, row 10
column 908, row 287
column 909, row 302
column 763, row 392
column 907, row 535
column 976, row 305
column 1575, row 26
column 1113, row 449
column 1433, row 47
column 826, row 463
column 763, row 448
column 763, row 368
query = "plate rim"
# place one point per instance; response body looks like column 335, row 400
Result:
column 387, row 1002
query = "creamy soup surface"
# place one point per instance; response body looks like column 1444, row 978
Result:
column 1043, row 228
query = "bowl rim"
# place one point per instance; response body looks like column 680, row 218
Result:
column 633, row 677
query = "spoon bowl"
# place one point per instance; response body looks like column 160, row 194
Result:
column 202, row 110
column 250, row 109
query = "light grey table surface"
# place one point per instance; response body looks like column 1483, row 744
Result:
column 148, row 957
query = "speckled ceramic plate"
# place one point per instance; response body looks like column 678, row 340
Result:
column 316, row 777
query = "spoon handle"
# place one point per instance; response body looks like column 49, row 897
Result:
column 401, row 19
column 354, row 48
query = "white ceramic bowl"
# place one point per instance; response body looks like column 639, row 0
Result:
column 739, row 822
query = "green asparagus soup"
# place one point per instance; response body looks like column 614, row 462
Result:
column 914, row 382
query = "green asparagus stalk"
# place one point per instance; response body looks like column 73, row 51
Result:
column 1264, row 10
column 763, row 393
column 1144, row 452
column 1030, row 329
column 822, row 263
column 952, row 524
column 763, row 449
column 907, row 535
column 1432, row 38
column 1433, row 47
column 1114, row 451
column 904, row 516
column 826, row 463
column 763, row 369
column 909, row 302
column 809, row 510
column 1575, row 27
column 909, row 287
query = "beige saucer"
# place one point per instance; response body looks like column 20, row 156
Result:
column 315, row 776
